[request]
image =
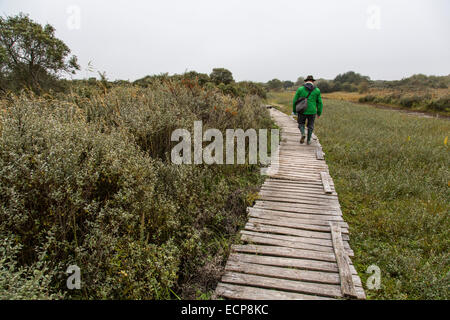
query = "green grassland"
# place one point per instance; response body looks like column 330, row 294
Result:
column 391, row 171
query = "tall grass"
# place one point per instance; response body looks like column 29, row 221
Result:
column 392, row 175
column 85, row 179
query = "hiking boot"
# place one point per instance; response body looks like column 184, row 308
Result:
column 309, row 137
column 302, row 140
column 302, row 130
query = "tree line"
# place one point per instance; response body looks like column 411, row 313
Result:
column 354, row 82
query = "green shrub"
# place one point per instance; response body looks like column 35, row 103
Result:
column 367, row 98
column 441, row 104
column 410, row 101
column 87, row 181
column 18, row 283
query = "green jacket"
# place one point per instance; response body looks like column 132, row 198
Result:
column 315, row 104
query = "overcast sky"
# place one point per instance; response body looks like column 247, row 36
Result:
column 256, row 39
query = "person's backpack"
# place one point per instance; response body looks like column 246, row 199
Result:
column 302, row 103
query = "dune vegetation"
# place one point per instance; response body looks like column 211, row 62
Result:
column 391, row 171
column 86, row 179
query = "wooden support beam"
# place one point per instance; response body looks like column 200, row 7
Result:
column 325, row 182
column 319, row 154
column 347, row 285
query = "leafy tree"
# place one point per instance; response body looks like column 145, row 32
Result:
column 325, row 86
column 202, row 78
column 253, row 88
column 351, row 77
column 288, row 84
column 221, row 75
column 363, row 87
column 30, row 54
column 275, row 84
column 300, row 81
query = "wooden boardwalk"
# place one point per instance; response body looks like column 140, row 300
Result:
column 296, row 241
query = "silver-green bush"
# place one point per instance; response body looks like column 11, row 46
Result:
column 88, row 182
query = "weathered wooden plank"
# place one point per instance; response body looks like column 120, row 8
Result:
column 298, row 162
column 321, row 289
column 289, row 262
column 259, row 227
column 325, row 182
column 295, row 166
column 283, row 273
column 303, row 214
column 295, row 190
column 347, row 285
column 298, row 157
column 257, row 239
column 298, row 167
column 297, row 193
column 287, row 182
column 294, row 207
column 300, row 171
column 284, row 252
column 294, row 217
column 286, row 222
column 287, row 272
column 313, row 176
column 297, row 239
column 302, row 200
column 332, row 204
column 294, row 182
column 319, row 154
column 293, row 177
column 309, row 170
column 232, row 291
column 297, row 178
column 292, row 187
column 285, row 230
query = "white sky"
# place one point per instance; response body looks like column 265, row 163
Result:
column 255, row 39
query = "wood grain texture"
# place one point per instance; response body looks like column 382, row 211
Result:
column 295, row 244
column 325, row 182
column 347, row 285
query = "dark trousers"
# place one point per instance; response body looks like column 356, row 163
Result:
column 302, row 120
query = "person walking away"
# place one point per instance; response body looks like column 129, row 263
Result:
column 314, row 107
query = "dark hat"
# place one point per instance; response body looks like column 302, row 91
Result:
column 310, row 78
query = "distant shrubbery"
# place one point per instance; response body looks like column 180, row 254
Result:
column 220, row 78
column 349, row 81
column 85, row 179
column 420, row 92
column 411, row 101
